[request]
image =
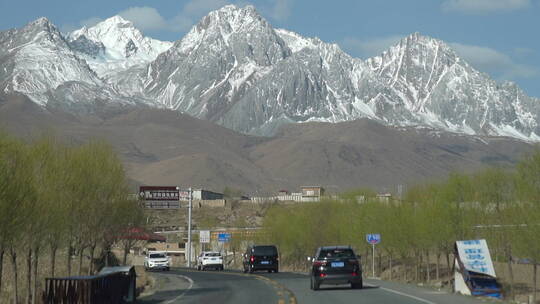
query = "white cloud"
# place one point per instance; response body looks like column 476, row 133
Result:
column 149, row 19
column 493, row 62
column 370, row 47
column 483, row 6
column 145, row 18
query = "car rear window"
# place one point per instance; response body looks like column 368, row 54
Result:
column 264, row 250
column 213, row 254
column 336, row 253
column 157, row 255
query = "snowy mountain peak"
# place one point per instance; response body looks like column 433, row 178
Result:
column 42, row 21
column 114, row 45
column 117, row 21
column 232, row 19
column 41, row 25
column 234, row 69
column 297, row 42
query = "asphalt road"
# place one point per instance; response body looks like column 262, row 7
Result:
column 191, row 286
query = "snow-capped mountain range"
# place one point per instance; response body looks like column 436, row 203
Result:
column 114, row 45
column 233, row 68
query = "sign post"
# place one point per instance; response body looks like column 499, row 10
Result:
column 373, row 238
column 204, row 237
column 189, row 228
column 224, row 238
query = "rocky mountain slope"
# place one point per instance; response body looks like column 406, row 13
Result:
column 164, row 147
column 234, row 69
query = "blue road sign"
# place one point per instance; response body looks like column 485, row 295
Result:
column 224, row 237
column 373, row 238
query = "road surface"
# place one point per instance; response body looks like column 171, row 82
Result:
column 191, row 286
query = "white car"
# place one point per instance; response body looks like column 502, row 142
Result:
column 156, row 260
column 210, row 259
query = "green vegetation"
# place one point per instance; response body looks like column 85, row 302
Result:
column 54, row 197
column 502, row 206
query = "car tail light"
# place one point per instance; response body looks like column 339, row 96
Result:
column 319, row 263
column 322, row 275
column 252, row 259
column 354, row 274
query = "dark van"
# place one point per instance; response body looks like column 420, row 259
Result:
column 261, row 257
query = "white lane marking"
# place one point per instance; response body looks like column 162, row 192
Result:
column 183, row 293
column 402, row 294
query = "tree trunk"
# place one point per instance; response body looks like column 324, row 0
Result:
column 29, row 276
column 535, row 265
column 437, row 267
column 106, row 249
column 416, row 259
column 53, row 260
column 1, row 268
column 15, row 276
column 36, row 285
column 91, row 266
column 367, row 255
column 70, row 251
column 405, row 264
column 80, row 260
column 510, row 271
column 379, row 263
column 390, row 265
column 126, row 252
column 428, row 269
column 448, row 265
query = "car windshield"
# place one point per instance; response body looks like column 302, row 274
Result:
column 336, row 253
column 157, row 256
column 264, row 250
column 212, row 254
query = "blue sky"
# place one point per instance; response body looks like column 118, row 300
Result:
column 499, row 37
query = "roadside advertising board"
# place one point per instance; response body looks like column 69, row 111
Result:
column 204, row 236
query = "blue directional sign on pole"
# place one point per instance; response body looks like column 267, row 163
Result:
column 373, row 238
column 224, row 237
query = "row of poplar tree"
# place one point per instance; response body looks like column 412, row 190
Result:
column 499, row 205
column 58, row 198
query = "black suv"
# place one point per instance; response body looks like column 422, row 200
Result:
column 335, row 265
column 261, row 258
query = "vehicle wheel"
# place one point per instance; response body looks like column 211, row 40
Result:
column 199, row 267
column 167, row 269
column 356, row 285
column 276, row 270
column 221, row 267
column 269, row 270
column 251, row 269
column 314, row 284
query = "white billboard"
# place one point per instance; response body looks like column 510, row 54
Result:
column 475, row 257
column 204, row 236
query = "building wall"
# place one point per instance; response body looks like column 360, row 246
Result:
column 311, row 191
column 215, row 203
column 201, row 194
